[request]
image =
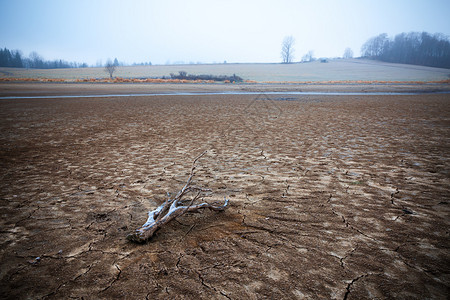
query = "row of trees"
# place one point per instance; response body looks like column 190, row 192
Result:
column 417, row 48
column 12, row 59
column 15, row 59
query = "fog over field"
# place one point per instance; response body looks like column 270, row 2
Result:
column 174, row 31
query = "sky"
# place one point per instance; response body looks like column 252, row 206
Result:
column 207, row 31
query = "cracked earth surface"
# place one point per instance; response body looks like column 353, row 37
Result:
column 331, row 197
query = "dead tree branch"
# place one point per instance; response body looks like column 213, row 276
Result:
column 173, row 208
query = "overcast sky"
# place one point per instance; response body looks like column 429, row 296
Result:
column 207, row 30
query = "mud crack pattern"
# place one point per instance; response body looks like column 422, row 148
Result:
column 332, row 197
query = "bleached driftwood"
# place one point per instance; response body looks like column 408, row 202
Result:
column 173, row 208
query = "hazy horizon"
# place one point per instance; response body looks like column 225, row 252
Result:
column 207, row 31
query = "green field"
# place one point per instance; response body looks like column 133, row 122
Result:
column 334, row 70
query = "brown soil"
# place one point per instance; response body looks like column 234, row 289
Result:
column 332, row 197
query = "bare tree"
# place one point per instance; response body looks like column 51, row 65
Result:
column 348, row 53
column 287, row 49
column 308, row 57
column 375, row 46
column 36, row 61
column 110, row 67
column 173, row 208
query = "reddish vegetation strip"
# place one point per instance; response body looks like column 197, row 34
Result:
column 118, row 80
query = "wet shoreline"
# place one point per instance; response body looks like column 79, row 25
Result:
column 231, row 93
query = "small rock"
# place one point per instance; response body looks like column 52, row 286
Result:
column 407, row 211
column 35, row 261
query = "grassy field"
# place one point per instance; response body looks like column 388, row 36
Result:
column 336, row 70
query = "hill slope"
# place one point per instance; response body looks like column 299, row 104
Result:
column 352, row 69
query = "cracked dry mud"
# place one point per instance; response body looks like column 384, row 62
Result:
column 332, row 197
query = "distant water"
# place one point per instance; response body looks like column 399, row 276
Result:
column 229, row 93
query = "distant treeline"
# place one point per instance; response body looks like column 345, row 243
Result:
column 15, row 59
column 417, row 48
column 186, row 76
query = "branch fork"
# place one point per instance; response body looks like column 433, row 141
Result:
column 173, row 208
